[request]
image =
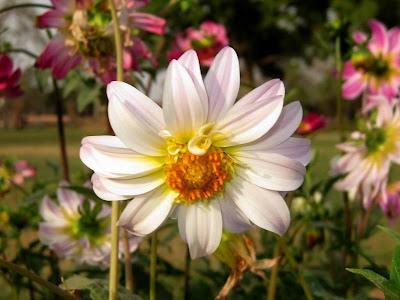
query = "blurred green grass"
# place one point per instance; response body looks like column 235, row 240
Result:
column 40, row 147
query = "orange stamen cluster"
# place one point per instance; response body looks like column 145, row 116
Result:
column 198, row 177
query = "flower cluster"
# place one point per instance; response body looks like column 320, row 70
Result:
column 207, row 41
column 14, row 173
column 374, row 67
column 9, row 87
column 85, row 36
column 202, row 158
column 78, row 229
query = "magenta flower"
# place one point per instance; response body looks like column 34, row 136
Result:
column 77, row 230
column 311, row 122
column 374, row 68
column 9, row 87
column 85, row 37
column 23, row 170
column 390, row 202
column 207, row 41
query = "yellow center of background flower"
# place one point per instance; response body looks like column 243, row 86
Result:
column 197, row 177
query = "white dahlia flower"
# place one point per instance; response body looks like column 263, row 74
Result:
column 78, row 229
column 202, row 158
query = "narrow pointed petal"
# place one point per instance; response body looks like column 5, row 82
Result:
column 145, row 213
column 394, row 40
column 183, row 108
column 68, row 199
column 353, row 87
column 200, row 224
column 286, row 125
column 133, row 186
column 248, row 124
column 52, row 19
column 379, row 42
column 109, row 157
column 295, row 148
column 148, row 22
column 233, row 218
column 264, row 208
column 103, row 193
column 51, row 212
column 268, row 90
column 136, row 119
column 190, row 62
column 222, row 83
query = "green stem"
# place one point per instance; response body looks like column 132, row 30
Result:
column 274, row 276
column 115, row 205
column 339, row 68
column 153, row 265
column 296, row 266
column 113, row 295
column 32, row 276
column 25, row 5
column 20, row 50
column 127, row 260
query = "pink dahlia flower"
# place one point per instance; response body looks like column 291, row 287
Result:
column 203, row 158
column 374, row 68
column 86, row 37
column 368, row 156
column 390, row 203
column 207, row 41
column 312, row 122
column 78, row 229
column 9, row 87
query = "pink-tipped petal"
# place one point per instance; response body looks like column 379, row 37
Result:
column 353, row 87
column 148, row 22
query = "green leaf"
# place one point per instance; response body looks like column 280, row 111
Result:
column 395, row 269
column 72, row 82
column 389, row 288
column 390, row 232
column 77, row 282
column 86, row 97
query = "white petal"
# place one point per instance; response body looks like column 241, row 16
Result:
column 264, row 208
column 51, row 212
column 248, row 124
column 200, row 225
column 104, row 156
column 147, row 212
column 222, row 83
column 232, row 217
column 133, row 186
column 270, row 170
column 266, row 91
column 183, row 109
column 136, row 119
column 69, row 200
column 104, row 193
column 295, row 148
column 286, row 125
column 190, row 62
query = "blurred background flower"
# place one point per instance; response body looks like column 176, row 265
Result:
column 9, row 86
column 311, row 123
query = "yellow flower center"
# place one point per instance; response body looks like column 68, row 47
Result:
column 198, row 177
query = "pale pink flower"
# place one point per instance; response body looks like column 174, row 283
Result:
column 390, row 202
column 376, row 68
column 311, row 123
column 85, row 37
column 207, row 41
column 23, row 170
column 202, row 158
column 76, row 233
column 9, row 86
column 368, row 156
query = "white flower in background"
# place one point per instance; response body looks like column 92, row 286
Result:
column 370, row 153
column 78, row 229
column 202, row 158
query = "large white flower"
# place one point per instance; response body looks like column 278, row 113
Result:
column 202, row 158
